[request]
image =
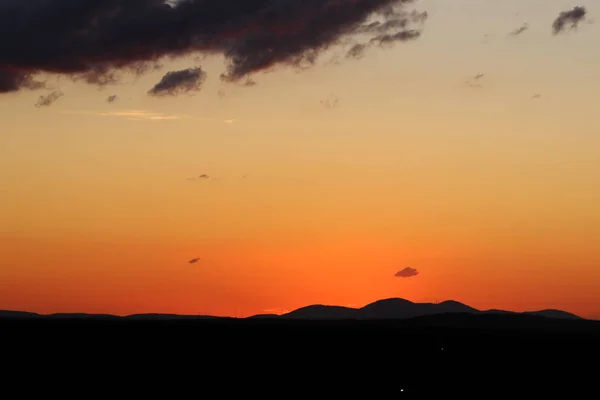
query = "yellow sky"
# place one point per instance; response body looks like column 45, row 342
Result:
column 490, row 194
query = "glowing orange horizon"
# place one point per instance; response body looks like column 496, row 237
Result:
column 488, row 192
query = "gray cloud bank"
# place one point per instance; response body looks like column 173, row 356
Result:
column 97, row 40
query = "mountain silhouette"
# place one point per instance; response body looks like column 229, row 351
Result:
column 392, row 348
column 17, row 314
column 81, row 316
column 320, row 311
column 263, row 316
column 153, row 317
column 385, row 309
column 553, row 314
column 396, row 308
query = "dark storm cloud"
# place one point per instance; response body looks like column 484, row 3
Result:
column 174, row 83
column 407, row 273
column 568, row 19
column 96, row 40
column 12, row 81
column 49, row 99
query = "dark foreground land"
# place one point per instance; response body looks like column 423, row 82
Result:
column 431, row 357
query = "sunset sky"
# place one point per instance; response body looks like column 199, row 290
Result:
column 489, row 191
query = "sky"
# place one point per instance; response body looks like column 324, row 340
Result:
column 311, row 185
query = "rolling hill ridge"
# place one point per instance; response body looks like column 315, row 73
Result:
column 386, row 309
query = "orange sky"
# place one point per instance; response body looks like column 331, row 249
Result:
column 491, row 195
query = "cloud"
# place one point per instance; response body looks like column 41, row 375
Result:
column 11, row 81
column 474, row 81
column 331, row 101
column 568, row 19
column 98, row 40
column 357, row 51
column 520, row 29
column 139, row 115
column 112, row 99
column 199, row 177
column 174, row 83
column 49, row 99
column 407, row 273
column 393, row 29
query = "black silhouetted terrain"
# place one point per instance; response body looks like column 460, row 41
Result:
column 394, row 308
column 316, row 352
column 400, row 309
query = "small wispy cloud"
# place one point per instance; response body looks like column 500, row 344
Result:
column 474, row 81
column 48, row 99
column 330, row 102
column 568, row 20
column 407, row 272
column 199, row 177
column 520, row 30
column 174, row 83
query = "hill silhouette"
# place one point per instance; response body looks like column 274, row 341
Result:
column 396, row 308
column 393, row 308
column 392, row 348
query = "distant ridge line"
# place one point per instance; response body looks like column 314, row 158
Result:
column 385, row 309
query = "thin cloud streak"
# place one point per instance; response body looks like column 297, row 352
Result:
column 142, row 115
